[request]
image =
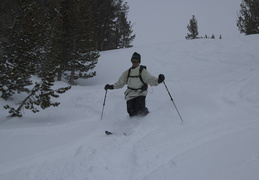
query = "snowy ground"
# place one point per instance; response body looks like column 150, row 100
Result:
column 215, row 85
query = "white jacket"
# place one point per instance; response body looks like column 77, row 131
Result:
column 135, row 82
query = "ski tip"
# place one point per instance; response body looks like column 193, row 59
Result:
column 108, row 132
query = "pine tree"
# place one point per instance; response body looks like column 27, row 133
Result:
column 79, row 47
column 193, row 29
column 123, row 28
column 248, row 17
column 18, row 43
column 51, row 43
column 104, row 15
column 110, row 22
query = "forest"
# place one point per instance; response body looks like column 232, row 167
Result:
column 56, row 40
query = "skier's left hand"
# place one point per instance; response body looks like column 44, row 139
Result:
column 161, row 78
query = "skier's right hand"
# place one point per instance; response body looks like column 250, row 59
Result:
column 108, row 86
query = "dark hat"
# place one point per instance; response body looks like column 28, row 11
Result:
column 136, row 56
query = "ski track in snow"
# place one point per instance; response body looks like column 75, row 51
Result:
column 215, row 86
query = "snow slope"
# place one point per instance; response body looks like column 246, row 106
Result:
column 215, row 85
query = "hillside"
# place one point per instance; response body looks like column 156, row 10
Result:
column 215, row 86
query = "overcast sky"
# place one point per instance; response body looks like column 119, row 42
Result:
column 157, row 21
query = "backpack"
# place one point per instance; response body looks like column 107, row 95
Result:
column 145, row 85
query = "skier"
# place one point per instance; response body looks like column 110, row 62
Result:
column 137, row 78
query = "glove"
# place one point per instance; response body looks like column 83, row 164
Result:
column 108, row 86
column 161, row 78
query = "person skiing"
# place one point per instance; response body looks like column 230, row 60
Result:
column 137, row 78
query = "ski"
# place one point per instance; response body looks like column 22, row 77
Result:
column 114, row 133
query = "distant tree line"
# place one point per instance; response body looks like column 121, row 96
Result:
column 193, row 30
column 247, row 21
column 55, row 40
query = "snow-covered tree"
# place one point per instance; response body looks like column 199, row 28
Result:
column 40, row 95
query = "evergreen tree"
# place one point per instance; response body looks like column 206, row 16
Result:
column 79, row 40
column 19, row 40
column 123, row 32
column 26, row 44
column 192, row 28
column 50, row 56
column 110, row 22
column 248, row 17
column 104, row 15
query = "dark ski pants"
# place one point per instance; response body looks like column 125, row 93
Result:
column 137, row 106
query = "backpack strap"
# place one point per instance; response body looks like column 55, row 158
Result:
column 128, row 74
column 145, row 85
column 140, row 71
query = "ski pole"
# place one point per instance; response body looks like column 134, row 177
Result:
column 173, row 102
column 104, row 103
